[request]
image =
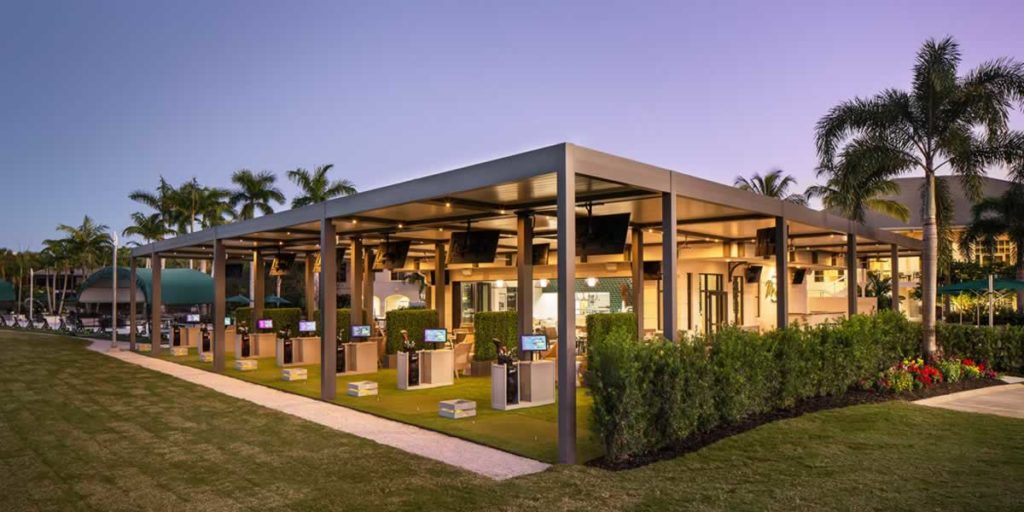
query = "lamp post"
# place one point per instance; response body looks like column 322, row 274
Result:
column 31, row 294
column 113, row 302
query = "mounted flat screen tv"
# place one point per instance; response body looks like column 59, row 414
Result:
column 281, row 264
column 765, row 242
column 360, row 331
column 533, row 343
column 477, row 246
column 798, row 275
column 753, row 273
column 307, row 326
column 227, row 321
column 192, row 318
column 391, row 255
column 264, row 323
column 601, row 234
column 652, row 270
column 540, row 253
column 435, row 335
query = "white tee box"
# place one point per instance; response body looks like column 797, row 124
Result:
column 362, row 388
column 245, row 365
column 143, row 347
column 457, row 408
column 179, row 351
column 294, row 374
column 206, row 357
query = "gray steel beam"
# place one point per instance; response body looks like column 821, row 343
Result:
column 851, row 274
column 132, row 304
column 155, row 302
column 440, row 263
column 638, row 279
column 894, row 257
column 355, row 271
column 524, row 274
column 368, row 277
column 566, row 310
column 669, row 266
column 781, row 273
column 259, row 289
column 328, row 311
column 308, row 287
column 219, row 305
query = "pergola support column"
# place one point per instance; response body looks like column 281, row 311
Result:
column 368, row 278
column 133, row 323
column 219, row 304
column 328, row 310
column 638, row 278
column 259, row 287
column 851, row 274
column 355, row 270
column 669, row 265
column 781, row 273
column 155, row 304
column 308, row 286
column 440, row 265
column 895, row 264
column 524, row 274
column 567, row 312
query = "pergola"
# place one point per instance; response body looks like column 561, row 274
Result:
column 536, row 195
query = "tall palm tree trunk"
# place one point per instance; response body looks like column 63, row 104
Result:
column 63, row 292
column 929, row 269
column 1020, row 275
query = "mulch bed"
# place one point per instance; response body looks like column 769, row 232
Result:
column 821, row 403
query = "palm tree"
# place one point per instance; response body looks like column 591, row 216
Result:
column 772, row 184
column 149, row 228
column 945, row 122
column 995, row 217
column 317, row 187
column 88, row 242
column 853, row 192
column 255, row 192
column 165, row 200
column 880, row 288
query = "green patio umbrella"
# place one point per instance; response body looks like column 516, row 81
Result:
column 274, row 300
column 981, row 286
column 238, row 300
column 6, row 292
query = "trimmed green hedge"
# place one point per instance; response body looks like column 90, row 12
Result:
column 1001, row 347
column 284, row 318
column 488, row 325
column 245, row 313
column 600, row 325
column 651, row 395
column 412, row 320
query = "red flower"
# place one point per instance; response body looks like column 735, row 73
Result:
column 967, row 362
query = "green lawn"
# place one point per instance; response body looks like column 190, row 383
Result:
column 530, row 432
column 81, row 431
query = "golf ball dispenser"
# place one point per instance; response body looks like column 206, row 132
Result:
column 511, row 364
column 176, row 335
column 421, row 369
column 340, row 355
column 207, row 343
column 287, row 344
column 517, row 384
column 246, row 348
column 413, row 372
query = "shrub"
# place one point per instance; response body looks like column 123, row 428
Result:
column 600, row 325
column 244, row 314
column 1002, row 347
column 622, row 404
column 284, row 318
column 412, row 320
column 952, row 369
column 490, row 325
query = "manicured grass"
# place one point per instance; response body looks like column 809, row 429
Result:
column 529, row 432
column 81, row 431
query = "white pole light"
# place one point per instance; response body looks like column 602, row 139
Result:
column 113, row 303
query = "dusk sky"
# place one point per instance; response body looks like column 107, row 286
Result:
column 101, row 98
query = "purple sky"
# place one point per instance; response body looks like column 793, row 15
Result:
column 100, row 98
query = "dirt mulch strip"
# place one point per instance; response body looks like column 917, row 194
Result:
column 821, row 403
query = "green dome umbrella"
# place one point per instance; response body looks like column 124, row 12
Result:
column 238, row 300
column 274, row 300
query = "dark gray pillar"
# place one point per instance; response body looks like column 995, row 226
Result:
column 439, row 286
column 567, row 313
column 895, row 257
column 259, row 295
column 669, row 266
column 524, row 274
column 133, row 323
column 219, row 304
column 638, row 279
column 851, row 274
column 355, row 269
column 328, row 310
column 308, row 287
column 781, row 273
column 368, row 285
column 155, row 303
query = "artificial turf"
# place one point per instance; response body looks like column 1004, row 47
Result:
column 81, row 431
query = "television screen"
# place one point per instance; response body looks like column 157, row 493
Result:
column 281, row 264
column 540, row 253
column 652, row 270
column 435, row 335
column 360, row 331
column 307, row 326
column 264, row 323
column 192, row 318
column 533, row 343
column 753, row 273
column 798, row 275
column 227, row 321
column 479, row 246
column 604, row 234
column 391, row 255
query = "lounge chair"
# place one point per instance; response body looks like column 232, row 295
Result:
column 462, row 358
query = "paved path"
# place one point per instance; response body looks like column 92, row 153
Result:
column 479, row 459
column 1007, row 400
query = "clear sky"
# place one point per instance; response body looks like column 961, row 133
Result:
column 100, row 98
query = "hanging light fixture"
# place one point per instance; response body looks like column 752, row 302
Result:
column 591, row 281
column 500, row 283
column 543, row 283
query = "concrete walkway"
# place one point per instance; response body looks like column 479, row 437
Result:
column 467, row 455
column 1007, row 400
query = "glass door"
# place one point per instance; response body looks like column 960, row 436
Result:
column 712, row 301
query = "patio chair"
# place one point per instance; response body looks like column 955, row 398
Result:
column 462, row 358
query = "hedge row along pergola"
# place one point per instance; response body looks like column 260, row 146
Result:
column 533, row 198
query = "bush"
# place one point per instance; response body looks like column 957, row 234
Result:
column 600, row 325
column 284, row 318
column 412, row 320
column 489, row 325
column 1002, row 347
column 652, row 394
column 244, row 314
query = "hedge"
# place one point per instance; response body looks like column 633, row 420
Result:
column 649, row 395
column 245, row 314
column 1001, row 347
column 284, row 318
column 490, row 325
column 412, row 320
column 600, row 325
